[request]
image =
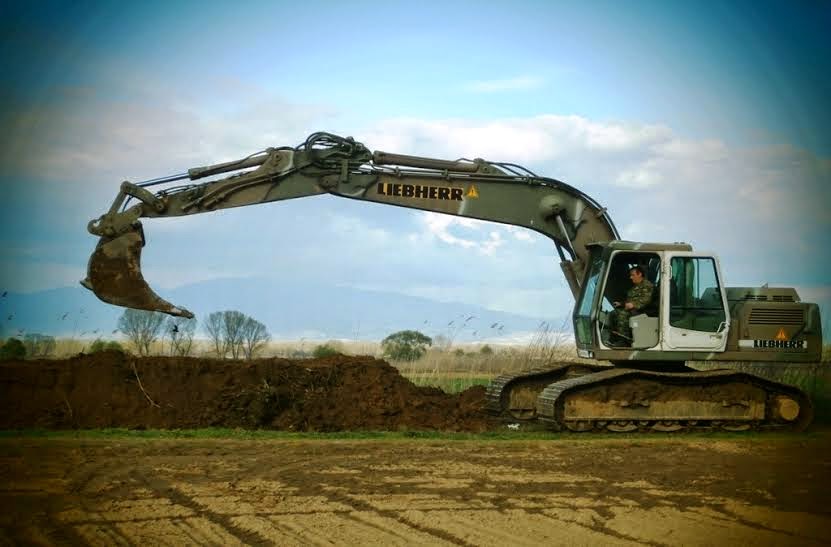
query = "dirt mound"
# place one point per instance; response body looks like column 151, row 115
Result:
column 339, row 393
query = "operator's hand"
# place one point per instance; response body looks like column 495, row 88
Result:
column 629, row 306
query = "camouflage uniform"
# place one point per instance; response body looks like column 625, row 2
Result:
column 640, row 296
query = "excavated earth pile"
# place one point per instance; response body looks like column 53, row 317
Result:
column 340, row 393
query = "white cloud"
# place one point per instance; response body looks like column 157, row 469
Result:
column 519, row 83
column 634, row 156
column 441, row 226
column 642, row 176
column 87, row 139
column 368, row 234
column 699, row 151
column 641, row 230
column 493, row 242
column 438, row 225
column 520, row 234
column 520, row 140
column 764, row 209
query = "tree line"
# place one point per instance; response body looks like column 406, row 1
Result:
column 230, row 332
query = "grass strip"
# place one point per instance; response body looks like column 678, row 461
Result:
column 262, row 434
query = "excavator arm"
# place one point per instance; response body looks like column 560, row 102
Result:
column 329, row 164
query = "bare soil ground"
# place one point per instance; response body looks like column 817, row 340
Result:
column 758, row 490
column 698, row 490
column 340, row 393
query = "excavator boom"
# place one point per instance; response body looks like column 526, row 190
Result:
column 329, row 164
column 690, row 316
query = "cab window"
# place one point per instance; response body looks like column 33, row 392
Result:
column 582, row 315
column 695, row 295
column 618, row 282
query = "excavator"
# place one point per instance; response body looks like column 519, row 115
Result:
column 643, row 383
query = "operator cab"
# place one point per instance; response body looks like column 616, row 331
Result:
column 687, row 311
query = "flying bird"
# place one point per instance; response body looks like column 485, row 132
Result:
column 175, row 329
column 65, row 316
column 4, row 294
column 10, row 317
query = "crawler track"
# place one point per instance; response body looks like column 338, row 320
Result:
column 515, row 395
column 623, row 400
column 579, row 397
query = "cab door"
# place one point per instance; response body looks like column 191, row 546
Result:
column 695, row 314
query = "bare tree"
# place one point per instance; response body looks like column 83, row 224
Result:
column 234, row 320
column 39, row 346
column 254, row 337
column 234, row 332
column 180, row 330
column 442, row 342
column 215, row 327
column 141, row 327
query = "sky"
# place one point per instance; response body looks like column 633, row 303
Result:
column 705, row 123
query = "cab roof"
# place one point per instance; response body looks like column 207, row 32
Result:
column 621, row 245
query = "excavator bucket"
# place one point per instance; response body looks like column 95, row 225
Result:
column 114, row 275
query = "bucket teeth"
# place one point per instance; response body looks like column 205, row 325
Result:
column 114, row 275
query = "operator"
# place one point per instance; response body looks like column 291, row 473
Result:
column 637, row 298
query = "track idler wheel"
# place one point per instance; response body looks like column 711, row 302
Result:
column 667, row 426
column 579, row 426
column 622, row 426
column 785, row 408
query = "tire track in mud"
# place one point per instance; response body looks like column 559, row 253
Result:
column 32, row 492
column 383, row 493
column 87, row 478
column 320, row 486
column 252, row 526
column 122, row 506
column 164, row 489
column 306, row 479
column 466, row 513
column 340, row 494
column 363, row 506
column 42, row 529
column 623, row 539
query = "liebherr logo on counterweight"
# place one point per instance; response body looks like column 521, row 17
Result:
column 420, row 191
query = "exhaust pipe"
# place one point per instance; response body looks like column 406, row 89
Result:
column 114, row 275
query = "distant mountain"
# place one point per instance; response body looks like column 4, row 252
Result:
column 290, row 311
